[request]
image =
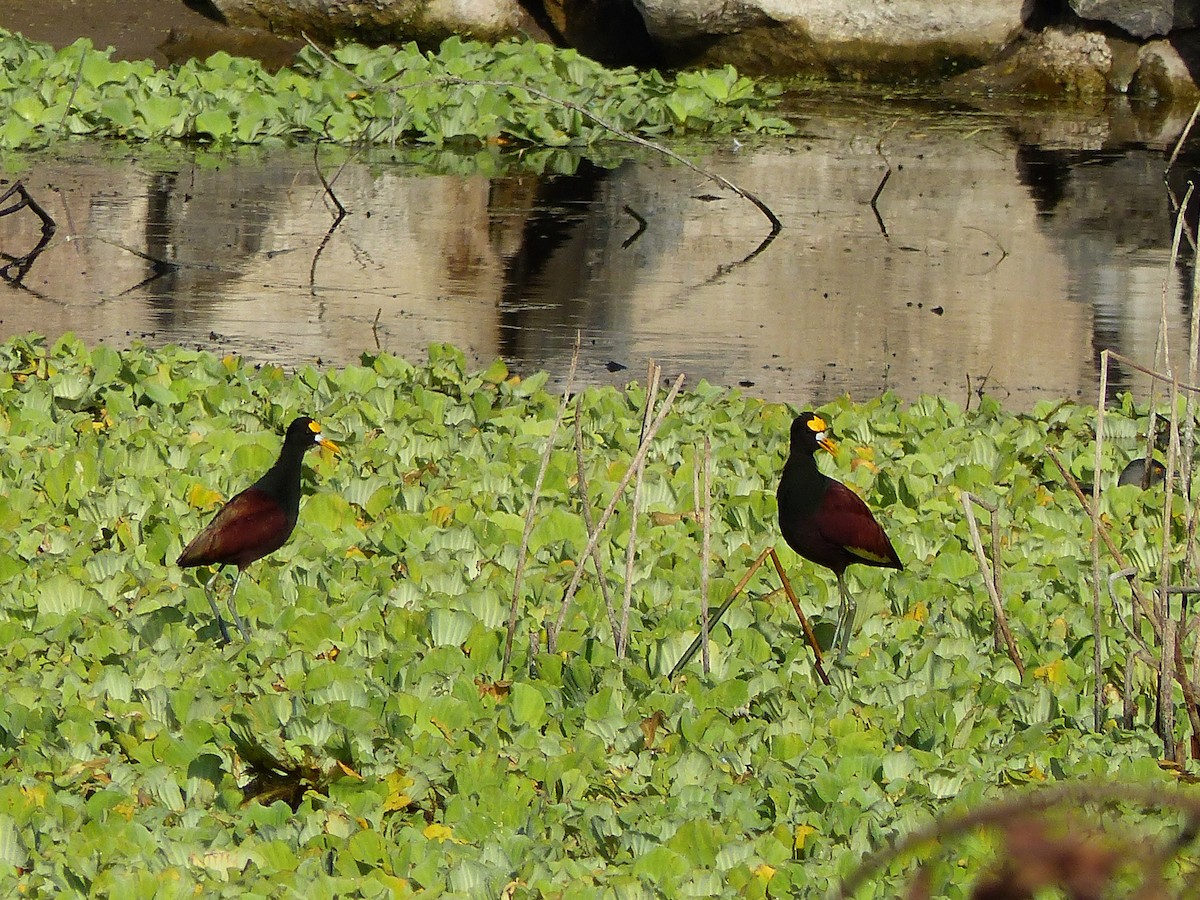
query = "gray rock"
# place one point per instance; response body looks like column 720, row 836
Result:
column 1161, row 72
column 1141, row 18
column 840, row 37
column 425, row 21
column 1089, row 66
column 1066, row 61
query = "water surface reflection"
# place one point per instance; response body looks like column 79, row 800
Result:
column 988, row 261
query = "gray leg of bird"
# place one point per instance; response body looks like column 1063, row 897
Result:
column 849, row 612
column 237, row 620
column 213, row 605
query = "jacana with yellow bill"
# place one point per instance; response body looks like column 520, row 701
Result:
column 257, row 521
column 826, row 522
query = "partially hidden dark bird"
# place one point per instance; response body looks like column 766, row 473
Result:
column 257, row 521
column 1141, row 473
column 826, row 522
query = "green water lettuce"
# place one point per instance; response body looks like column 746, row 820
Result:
column 362, row 744
column 466, row 94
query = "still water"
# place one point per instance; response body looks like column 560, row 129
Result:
column 999, row 256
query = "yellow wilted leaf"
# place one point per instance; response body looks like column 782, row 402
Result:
column 125, row 534
column 440, row 515
column 764, row 872
column 1058, row 628
column 438, row 832
column 97, row 425
column 36, row 794
column 125, row 810
column 802, row 833
column 919, row 611
column 200, row 497
column 397, row 797
column 355, row 553
column 1036, row 773
column 864, row 456
column 665, row 518
column 1055, row 672
column 229, row 362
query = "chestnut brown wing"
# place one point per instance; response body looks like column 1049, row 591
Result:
column 248, row 527
column 845, row 520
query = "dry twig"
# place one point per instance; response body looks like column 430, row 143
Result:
column 585, row 504
column 991, row 577
column 529, row 513
column 556, row 627
column 17, row 267
column 654, row 376
column 706, row 529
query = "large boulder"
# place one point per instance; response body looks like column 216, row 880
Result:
column 381, row 21
column 1141, row 18
column 1088, row 65
column 842, row 38
column 832, row 38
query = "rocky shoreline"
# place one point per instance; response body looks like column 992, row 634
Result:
column 1079, row 50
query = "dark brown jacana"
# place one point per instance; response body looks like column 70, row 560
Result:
column 1141, row 473
column 257, row 521
column 826, row 522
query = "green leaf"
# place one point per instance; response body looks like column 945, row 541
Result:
column 217, row 123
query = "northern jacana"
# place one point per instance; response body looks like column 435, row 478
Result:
column 1141, row 473
column 257, row 521
column 826, row 522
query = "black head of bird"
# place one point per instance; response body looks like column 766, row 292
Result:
column 259, row 520
column 823, row 520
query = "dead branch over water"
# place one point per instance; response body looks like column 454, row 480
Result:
column 17, row 267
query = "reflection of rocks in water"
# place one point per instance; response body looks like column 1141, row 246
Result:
column 975, row 277
column 551, row 262
column 207, row 225
column 1111, row 215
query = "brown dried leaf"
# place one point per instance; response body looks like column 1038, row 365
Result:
column 650, row 726
column 497, row 689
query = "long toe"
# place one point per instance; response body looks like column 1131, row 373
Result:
column 237, row 620
column 216, row 612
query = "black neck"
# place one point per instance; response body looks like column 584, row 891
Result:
column 282, row 480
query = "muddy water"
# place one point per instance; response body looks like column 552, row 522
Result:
column 991, row 260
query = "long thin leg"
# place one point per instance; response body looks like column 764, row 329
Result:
column 237, row 620
column 716, row 617
column 213, row 603
column 791, row 595
column 846, row 617
column 808, row 632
